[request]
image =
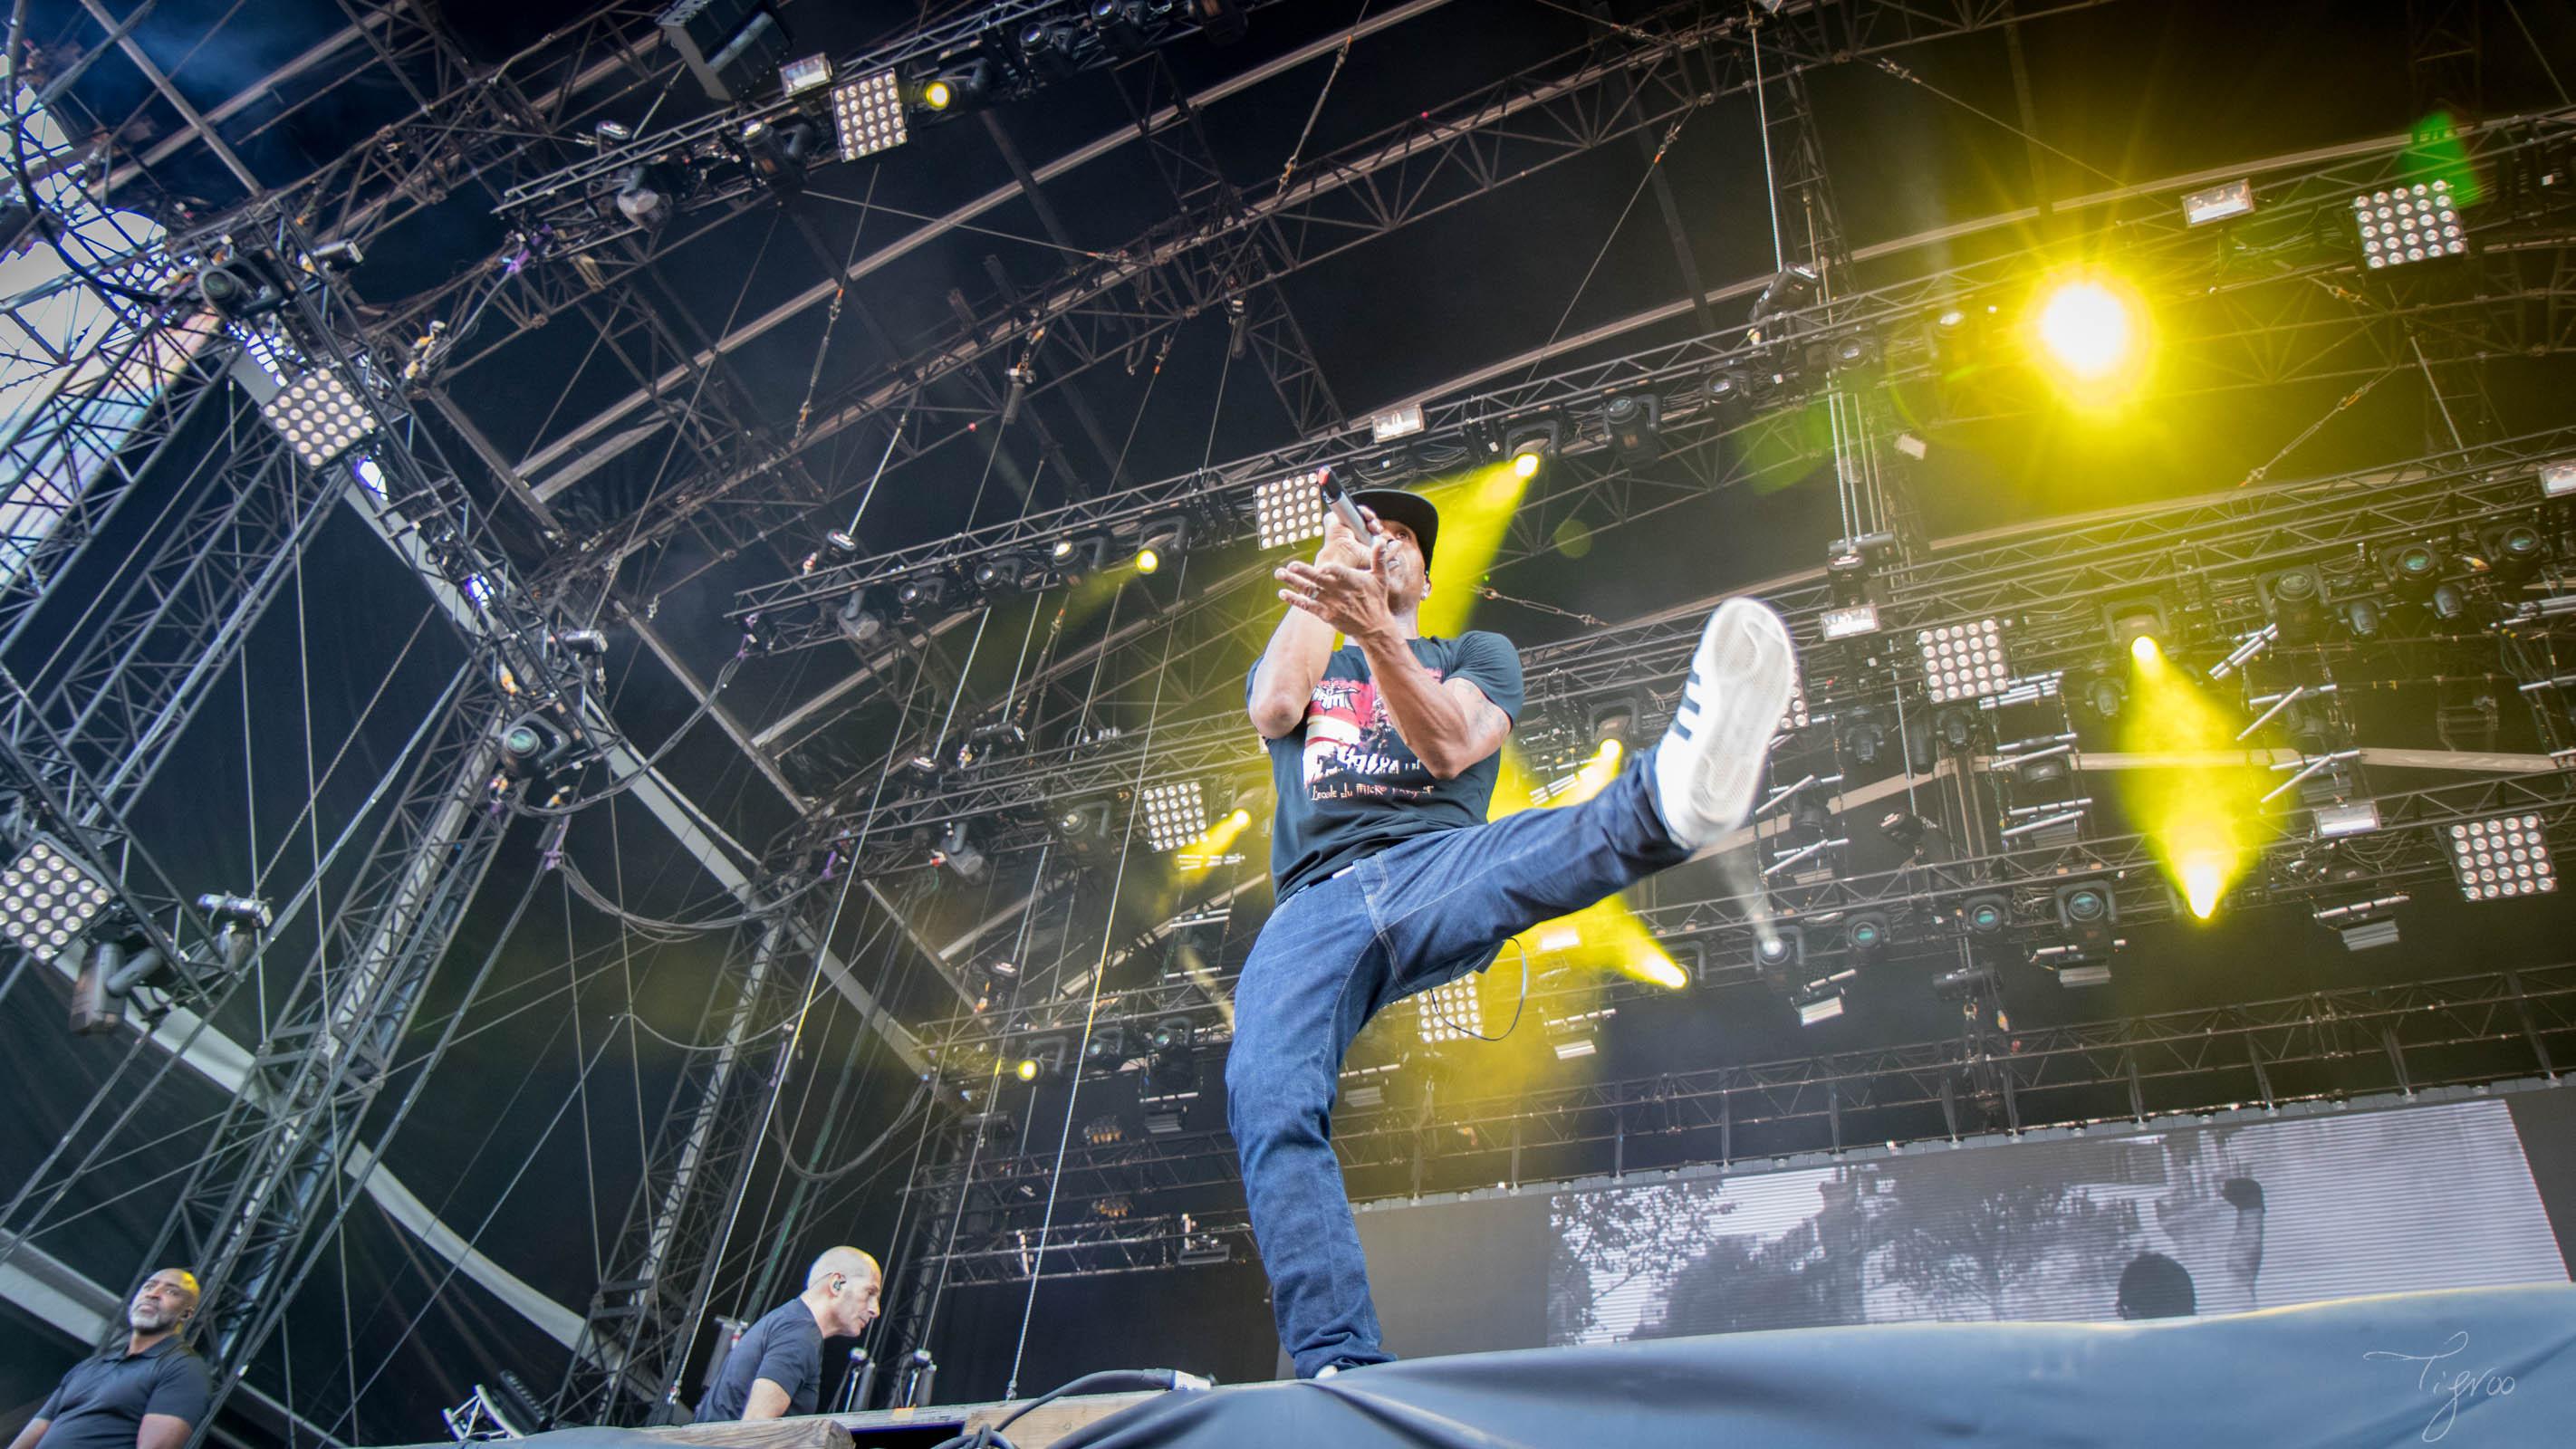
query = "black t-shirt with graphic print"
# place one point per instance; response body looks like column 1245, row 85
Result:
column 1350, row 787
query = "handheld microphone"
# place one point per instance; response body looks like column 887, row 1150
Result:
column 1342, row 506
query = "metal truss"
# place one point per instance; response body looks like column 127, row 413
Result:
column 470, row 123
column 1646, row 76
column 247, row 1213
column 1922, row 899
column 247, row 1217
column 563, row 197
column 2258, row 323
column 638, row 1330
column 1239, row 269
column 2050, row 577
column 2325, row 1046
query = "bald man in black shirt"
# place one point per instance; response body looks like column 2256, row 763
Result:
column 149, row 1395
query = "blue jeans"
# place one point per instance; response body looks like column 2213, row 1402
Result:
column 1341, row 950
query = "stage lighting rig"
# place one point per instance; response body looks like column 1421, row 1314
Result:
column 2511, row 552
column 1577, row 1035
column 1452, row 1011
column 859, row 623
column 1106, row 1051
column 2357, row 910
column 48, row 898
column 1291, row 509
column 2131, row 620
column 1222, row 21
column 1963, row 661
column 533, row 746
column 805, row 73
column 1175, row 814
column 2087, row 911
column 649, row 194
column 2218, row 203
column 1851, row 577
column 1633, row 423
column 1960, row 983
column 1796, row 716
column 1160, row 541
column 1987, row 915
column 2295, row 600
column 868, row 115
column 2408, row 224
column 1364, row 1088
column 2558, row 478
column 1783, row 295
column 245, row 283
column 319, row 416
column 780, row 152
column 2413, row 569
column 1780, row 951
column 2502, row 857
column 957, row 852
column 920, row 595
column 1822, row 1000
column 1866, row 934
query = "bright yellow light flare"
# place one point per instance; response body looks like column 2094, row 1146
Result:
column 2147, row 652
column 938, row 94
column 1603, row 936
column 1210, row 848
column 1525, row 465
column 2092, row 334
column 2203, row 821
column 1659, row 969
column 2204, row 880
column 1027, row 1070
column 2086, row 328
column 1475, row 511
column 1595, row 773
column 1147, row 560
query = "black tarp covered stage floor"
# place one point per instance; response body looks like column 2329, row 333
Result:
column 2486, row 1366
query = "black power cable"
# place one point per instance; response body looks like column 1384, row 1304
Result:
column 1105, row 1381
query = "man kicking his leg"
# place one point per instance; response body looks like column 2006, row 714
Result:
column 1390, row 880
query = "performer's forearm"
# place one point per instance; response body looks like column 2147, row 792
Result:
column 1284, row 682
column 1435, row 723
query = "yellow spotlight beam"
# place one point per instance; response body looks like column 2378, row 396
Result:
column 1475, row 512
column 1603, row 936
column 1211, row 845
column 2203, row 820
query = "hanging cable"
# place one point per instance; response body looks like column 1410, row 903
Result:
column 1100, row 966
column 1341, row 57
column 643, row 768
column 1672, row 133
column 919, row 1099
column 582, row 887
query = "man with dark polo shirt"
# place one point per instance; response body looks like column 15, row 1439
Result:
column 776, row 1367
column 1391, row 881
column 148, row 1395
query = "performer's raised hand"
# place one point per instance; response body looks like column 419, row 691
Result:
column 1353, row 599
column 1341, row 546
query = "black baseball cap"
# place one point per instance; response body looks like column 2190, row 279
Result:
column 1410, row 509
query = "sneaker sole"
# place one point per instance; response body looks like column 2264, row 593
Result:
column 1746, row 666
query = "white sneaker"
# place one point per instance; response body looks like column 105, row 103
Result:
column 1709, row 762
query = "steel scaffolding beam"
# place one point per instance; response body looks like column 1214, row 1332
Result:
column 643, row 1318
column 2258, row 327
column 2051, row 572
column 1118, row 307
